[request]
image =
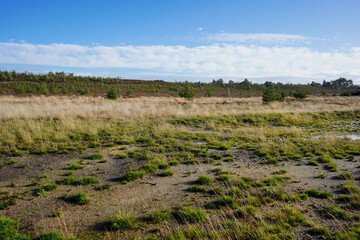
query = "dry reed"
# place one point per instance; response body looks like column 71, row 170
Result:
column 64, row 107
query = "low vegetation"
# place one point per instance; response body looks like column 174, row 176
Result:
column 280, row 174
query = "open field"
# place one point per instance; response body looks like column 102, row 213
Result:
column 169, row 168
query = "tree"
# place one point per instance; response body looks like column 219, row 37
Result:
column 270, row 93
column 112, row 94
column 187, row 92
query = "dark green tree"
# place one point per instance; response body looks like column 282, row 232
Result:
column 187, row 92
column 271, row 93
column 112, row 94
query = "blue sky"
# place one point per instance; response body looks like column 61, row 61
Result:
column 278, row 40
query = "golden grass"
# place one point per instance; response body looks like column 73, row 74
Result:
column 65, row 107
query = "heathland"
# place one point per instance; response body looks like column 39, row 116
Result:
column 88, row 167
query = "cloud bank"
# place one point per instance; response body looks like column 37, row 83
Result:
column 255, row 38
column 208, row 60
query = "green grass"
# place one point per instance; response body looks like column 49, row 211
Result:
column 336, row 212
column 53, row 235
column 122, row 221
column 223, row 178
column 159, row 216
column 319, row 194
column 95, row 156
column 312, row 162
column 166, row 173
column 9, row 230
column 88, row 180
column 204, row 180
column 190, row 215
column 281, row 171
column 345, row 176
column 226, row 201
column 80, row 198
column 132, row 176
column 75, row 166
column 69, row 180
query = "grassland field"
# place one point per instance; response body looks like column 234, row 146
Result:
column 168, row 168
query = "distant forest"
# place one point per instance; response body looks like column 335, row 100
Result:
column 60, row 83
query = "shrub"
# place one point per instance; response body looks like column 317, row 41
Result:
column 300, row 94
column 123, row 221
column 112, row 94
column 52, row 236
column 79, row 198
column 204, row 180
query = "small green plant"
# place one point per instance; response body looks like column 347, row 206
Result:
column 122, row 221
column 322, row 175
column 59, row 213
column 80, row 198
column 24, row 165
column 204, row 180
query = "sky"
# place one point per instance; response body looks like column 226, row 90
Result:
column 295, row 41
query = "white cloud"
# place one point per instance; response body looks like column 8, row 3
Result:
column 206, row 61
column 254, row 38
column 199, row 28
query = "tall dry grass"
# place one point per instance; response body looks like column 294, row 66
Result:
column 65, row 107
